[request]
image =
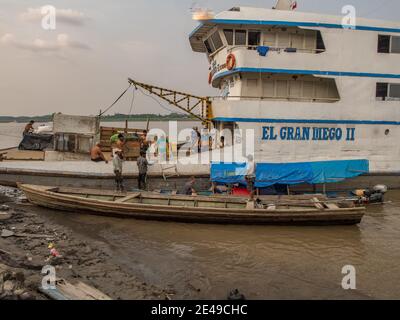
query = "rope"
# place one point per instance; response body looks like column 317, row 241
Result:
column 133, row 99
column 130, row 109
column 122, row 94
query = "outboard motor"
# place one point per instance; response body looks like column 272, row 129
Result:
column 374, row 195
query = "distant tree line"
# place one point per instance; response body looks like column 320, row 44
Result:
column 116, row 117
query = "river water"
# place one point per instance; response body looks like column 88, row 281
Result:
column 263, row 262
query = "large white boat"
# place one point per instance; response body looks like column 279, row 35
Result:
column 312, row 88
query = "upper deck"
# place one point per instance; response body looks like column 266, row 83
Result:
column 298, row 43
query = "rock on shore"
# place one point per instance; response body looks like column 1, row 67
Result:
column 26, row 249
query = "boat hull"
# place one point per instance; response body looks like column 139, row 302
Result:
column 43, row 196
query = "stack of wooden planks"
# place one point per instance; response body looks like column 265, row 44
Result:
column 132, row 149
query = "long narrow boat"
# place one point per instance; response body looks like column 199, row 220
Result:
column 201, row 209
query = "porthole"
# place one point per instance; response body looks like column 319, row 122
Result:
column 387, row 131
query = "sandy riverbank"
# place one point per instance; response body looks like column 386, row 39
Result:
column 22, row 258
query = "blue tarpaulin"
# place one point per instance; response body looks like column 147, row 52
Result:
column 262, row 50
column 228, row 172
column 268, row 174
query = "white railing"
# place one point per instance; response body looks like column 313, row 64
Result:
column 230, row 49
column 276, row 49
column 298, row 99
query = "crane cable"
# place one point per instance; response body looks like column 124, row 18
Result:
column 122, row 94
column 133, row 99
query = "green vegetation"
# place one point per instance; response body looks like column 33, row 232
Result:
column 144, row 117
column 117, row 117
column 46, row 118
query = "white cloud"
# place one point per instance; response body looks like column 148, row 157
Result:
column 67, row 16
column 63, row 41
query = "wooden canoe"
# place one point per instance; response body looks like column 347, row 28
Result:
column 202, row 209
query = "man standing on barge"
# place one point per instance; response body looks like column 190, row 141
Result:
column 250, row 175
column 142, row 164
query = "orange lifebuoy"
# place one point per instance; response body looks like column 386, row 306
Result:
column 230, row 61
column 210, row 76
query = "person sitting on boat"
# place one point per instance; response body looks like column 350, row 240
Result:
column 96, row 155
column 188, row 189
column 118, row 160
column 142, row 164
column 28, row 128
column 218, row 189
column 250, row 175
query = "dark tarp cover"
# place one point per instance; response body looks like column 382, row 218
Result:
column 268, row 174
column 37, row 142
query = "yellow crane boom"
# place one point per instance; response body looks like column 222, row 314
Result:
column 197, row 107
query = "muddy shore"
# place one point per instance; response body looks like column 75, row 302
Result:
column 24, row 250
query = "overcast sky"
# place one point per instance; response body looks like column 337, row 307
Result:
column 83, row 65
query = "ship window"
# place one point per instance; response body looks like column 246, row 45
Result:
column 395, row 47
column 388, row 91
column 229, row 36
column 282, row 88
column 254, row 38
column 268, row 87
column 294, row 89
column 297, row 41
column 383, row 44
column 308, row 89
column 332, row 90
column 208, row 46
column 240, row 37
column 216, row 39
column 252, row 88
column 283, row 40
column 310, row 42
column 394, row 91
column 382, row 90
column 320, row 42
column 320, row 89
column 269, row 39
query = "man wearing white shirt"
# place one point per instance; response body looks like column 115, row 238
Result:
column 250, row 175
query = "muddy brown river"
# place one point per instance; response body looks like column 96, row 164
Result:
column 263, row 262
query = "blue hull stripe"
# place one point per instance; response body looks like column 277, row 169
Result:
column 311, row 72
column 309, row 121
column 301, row 24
